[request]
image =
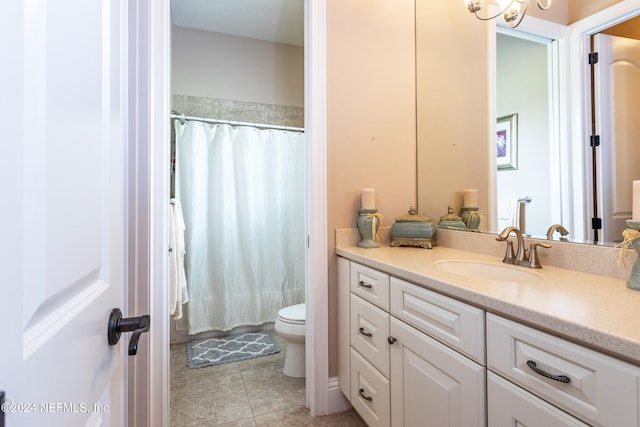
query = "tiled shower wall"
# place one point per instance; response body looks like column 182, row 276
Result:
column 225, row 109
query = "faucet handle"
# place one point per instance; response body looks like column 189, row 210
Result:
column 509, row 255
column 534, row 261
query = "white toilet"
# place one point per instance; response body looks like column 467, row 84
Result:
column 290, row 325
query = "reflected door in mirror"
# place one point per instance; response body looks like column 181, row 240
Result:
column 617, row 91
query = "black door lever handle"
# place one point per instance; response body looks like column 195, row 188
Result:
column 2, row 409
column 117, row 325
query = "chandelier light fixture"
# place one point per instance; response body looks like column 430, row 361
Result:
column 512, row 10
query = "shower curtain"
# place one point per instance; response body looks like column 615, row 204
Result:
column 242, row 196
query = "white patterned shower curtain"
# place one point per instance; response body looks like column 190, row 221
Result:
column 242, row 195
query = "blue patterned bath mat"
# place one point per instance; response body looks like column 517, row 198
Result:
column 230, row 348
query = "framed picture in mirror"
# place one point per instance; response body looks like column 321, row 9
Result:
column 507, row 140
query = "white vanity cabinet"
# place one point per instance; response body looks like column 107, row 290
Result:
column 408, row 356
column 452, row 363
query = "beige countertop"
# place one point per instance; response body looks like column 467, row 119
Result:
column 596, row 311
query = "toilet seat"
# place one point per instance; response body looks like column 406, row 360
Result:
column 294, row 314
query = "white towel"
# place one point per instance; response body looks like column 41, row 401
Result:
column 515, row 213
column 178, row 289
column 508, row 212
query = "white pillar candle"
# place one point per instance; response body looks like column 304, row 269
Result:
column 470, row 198
column 635, row 213
column 368, row 198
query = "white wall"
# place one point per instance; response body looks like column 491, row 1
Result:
column 214, row 65
column 522, row 89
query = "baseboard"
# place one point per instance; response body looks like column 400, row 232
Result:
column 337, row 401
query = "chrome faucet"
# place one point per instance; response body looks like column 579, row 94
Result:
column 563, row 231
column 530, row 260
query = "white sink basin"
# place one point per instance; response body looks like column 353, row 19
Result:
column 487, row 270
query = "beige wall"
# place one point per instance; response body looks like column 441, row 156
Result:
column 629, row 29
column 558, row 12
column 214, row 65
column 580, row 9
column 452, row 106
column 371, row 128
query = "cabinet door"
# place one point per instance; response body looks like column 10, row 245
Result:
column 508, row 405
column 432, row 384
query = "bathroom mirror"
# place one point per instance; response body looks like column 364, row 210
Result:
column 560, row 188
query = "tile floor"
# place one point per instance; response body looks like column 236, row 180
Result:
column 253, row 392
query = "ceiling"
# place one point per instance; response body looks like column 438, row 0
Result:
column 280, row 21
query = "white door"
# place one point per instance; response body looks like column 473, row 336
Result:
column 63, row 212
column 617, row 114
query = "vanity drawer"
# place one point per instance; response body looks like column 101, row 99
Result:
column 370, row 284
column 454, row 323
column 509, row 405
column 600, row 389
column 369, row 333
column 370, row 392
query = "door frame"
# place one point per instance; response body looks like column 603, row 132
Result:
column 148, row 104
column 149, row 124
column 316, row 255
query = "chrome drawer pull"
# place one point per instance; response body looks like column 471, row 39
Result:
column 562, row 378
column 367, row 398
column 364, row 285
column 366, row 334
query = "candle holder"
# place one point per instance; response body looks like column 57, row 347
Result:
column 368, row 224
column 633, row 282
column 471, row 218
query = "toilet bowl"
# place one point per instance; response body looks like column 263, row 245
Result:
column 290, row 325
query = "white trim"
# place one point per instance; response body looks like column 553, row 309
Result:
column 316, row 257
column 581, row 104
column 149, row 107
column 159, row 135
column 492, row 87
column 137, row 210
column 337, row 401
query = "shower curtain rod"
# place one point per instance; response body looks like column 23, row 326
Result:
column 182, row 117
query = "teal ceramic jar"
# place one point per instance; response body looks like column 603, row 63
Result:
column 451, row 221
column 413, row 230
